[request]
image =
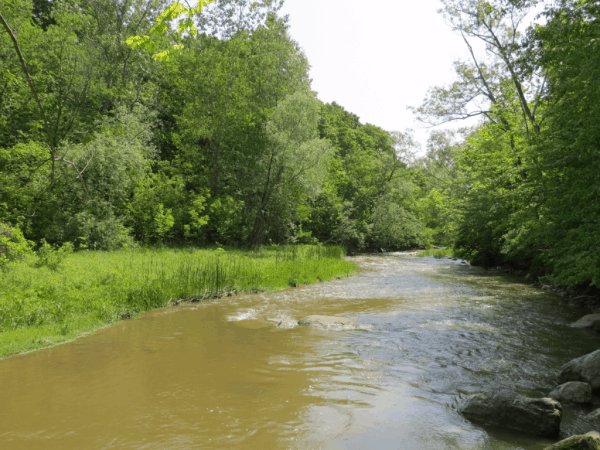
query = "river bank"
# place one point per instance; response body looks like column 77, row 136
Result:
column 585, row 297
column 43, row 306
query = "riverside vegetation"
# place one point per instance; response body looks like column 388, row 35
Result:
column 59, row 295
column 129, row 123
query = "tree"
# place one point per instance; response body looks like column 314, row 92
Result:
column 51, row 163
column 295, row 165
column 568, row 46
column 498, row 165
column 366, row 175
column 438, row 176
column 162, row 25
column 487, row 88
column 21, row 19
column 226, row 18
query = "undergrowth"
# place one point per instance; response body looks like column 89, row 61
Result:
column 41, row 305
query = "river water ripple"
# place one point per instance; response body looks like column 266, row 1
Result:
column 221, row 375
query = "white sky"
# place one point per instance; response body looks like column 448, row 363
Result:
column 376, row 60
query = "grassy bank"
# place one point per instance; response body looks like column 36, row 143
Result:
column 440, row 253
column 40, row 306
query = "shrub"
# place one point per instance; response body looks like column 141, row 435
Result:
column 13, row 245
column 51, row 257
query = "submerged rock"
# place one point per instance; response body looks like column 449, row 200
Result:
column 538, row 416
column 590, row 321
column 325, row 321
column 573, row 391
column 585, row 368
column 588, row 441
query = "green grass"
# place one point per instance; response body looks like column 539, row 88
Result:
column 40, row 307
column 439, row 253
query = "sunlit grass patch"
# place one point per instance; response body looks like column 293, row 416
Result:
column 438, row 253
column 40, row 307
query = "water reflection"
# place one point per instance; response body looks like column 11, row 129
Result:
column 221, row 375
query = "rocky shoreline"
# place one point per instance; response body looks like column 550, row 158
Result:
column 579, row 378
column 580, row 381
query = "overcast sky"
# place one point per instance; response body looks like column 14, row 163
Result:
column 378, row 58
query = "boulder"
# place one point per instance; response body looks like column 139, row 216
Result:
column 326, row 321
column 588, row 441
column 573, row 391
column 590, row 321
column 585, row 368
column 537, row 416
column 594, row 414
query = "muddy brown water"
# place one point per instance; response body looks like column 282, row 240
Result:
column 220, row 375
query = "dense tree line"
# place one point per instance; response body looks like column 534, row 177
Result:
column 222, row 141
column 522, row 187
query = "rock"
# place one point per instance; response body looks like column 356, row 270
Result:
column 594, row 414
column 573, row 391
column 325, row 321
column 590, row 321
column 588, row 441
column 287, row 323
column 586, row 369
column 538, row 416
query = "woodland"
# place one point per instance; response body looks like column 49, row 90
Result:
column 131, row 123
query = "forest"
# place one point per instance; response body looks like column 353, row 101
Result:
column 132, row 123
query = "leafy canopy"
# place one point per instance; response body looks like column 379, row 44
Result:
column 185, row 24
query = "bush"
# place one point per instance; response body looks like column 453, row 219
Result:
column 99, row 233
column 51, row 257
column 13, row 245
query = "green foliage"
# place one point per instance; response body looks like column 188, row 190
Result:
column 197, row 221
column 13, row 245
column 92, row 189
column 523, row 187
column 22, row 178
column 226, row 220
column 231, row 106
column 294, row 168
column 50, row 257
column 394, row 227
column 185, row 25
column 97, row 288
column 493, row 193
column 224, row 142
column 102, row 233
column 570, row 148
column 366, row 170
column 436, row 175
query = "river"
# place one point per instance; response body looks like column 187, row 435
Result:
column 220, row 375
